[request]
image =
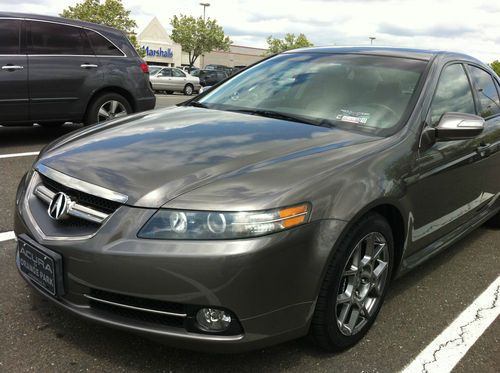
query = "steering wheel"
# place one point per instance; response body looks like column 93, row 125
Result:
column 385, row 107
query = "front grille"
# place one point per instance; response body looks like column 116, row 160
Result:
column 84, row 213
column 89, row 200
column 120, row 305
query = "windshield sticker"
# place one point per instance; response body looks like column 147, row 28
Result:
column 353, row 116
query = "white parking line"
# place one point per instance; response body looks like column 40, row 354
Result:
column 13, row 155
column 452, row 344
column 6, row 236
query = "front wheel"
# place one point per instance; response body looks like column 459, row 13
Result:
column 355, row 284
column 106, row 107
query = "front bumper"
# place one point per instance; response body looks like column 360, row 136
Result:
column 269, row 283
column 145, row 103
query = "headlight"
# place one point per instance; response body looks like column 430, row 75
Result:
column 219, row 225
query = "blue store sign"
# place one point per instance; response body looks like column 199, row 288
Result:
column 163, row 53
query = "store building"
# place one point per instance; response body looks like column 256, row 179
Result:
column 161, row 50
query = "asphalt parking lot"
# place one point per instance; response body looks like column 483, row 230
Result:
column 36, row 335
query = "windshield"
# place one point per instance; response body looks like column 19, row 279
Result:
column 360, row 92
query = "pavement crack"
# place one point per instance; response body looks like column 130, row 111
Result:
column 463, row 328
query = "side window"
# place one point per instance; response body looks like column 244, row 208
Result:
column 53, row 38
column 178, row 74
column 102, row 46
column 489, row 101
column 165, row 72
column 453, row 93
column 9, row 39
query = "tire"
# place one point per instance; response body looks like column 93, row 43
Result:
column 188, row 89
column 332, row 327
column 169, row 92
column 107, row 102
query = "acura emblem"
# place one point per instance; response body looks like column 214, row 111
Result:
column 59, row 206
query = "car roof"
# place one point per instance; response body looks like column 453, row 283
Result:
column 68, row 21
column 414, row 53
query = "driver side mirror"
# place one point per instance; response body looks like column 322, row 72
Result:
column 458, row 126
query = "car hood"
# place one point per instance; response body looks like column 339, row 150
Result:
column 154, row 157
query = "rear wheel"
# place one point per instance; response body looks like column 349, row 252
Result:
column 355, row 284
column 106, row 107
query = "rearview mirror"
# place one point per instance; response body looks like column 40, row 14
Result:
column 458, row 126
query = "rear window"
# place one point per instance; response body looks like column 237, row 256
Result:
column 101, row 45
column 9, row 36
column 54, row 38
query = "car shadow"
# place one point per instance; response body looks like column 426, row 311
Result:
column 23, row 136
column 135, row 353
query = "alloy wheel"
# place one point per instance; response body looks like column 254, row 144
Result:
column 362, row 283
column 110, row 110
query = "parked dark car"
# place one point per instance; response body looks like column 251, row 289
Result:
column 210, row 77
column 278, row 204
column 55, row 70
column 224, row 68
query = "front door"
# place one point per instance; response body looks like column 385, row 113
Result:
column 14, row 100
column 450, row 186
column 487, row 92
column 63, row 71
column 163, row 80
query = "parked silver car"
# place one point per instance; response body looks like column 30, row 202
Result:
column 171, row 79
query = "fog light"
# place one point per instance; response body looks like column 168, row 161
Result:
column 212, row 319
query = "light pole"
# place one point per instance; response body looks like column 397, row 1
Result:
column 372, row 38
column 204, row 5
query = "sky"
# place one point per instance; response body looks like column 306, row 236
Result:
column 471, row 26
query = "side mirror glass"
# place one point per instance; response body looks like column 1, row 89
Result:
column 458, row 126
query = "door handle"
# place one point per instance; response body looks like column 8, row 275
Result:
column 88, row 66
column 484, row 150
column 12, row 67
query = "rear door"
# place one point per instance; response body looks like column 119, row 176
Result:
column 450, row 186
column 179, row 79
column 63, row 71
column 14, row 100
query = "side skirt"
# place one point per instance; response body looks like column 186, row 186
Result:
column 444, row 242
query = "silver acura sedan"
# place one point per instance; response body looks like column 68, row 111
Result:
column 171, row 79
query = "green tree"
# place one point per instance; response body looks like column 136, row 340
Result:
column 198, row 36
column 495, row 65
column 110, row 13
column 290, row 41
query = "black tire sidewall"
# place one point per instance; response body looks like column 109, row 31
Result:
column 91, row 115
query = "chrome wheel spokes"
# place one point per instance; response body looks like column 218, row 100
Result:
column 362, row 283
column 110, row 110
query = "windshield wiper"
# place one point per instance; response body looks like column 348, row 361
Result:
column 197, row 104
column 279, row 115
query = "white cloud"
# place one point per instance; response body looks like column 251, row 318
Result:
column 471, row 27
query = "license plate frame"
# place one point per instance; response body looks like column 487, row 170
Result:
column 41, row 265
